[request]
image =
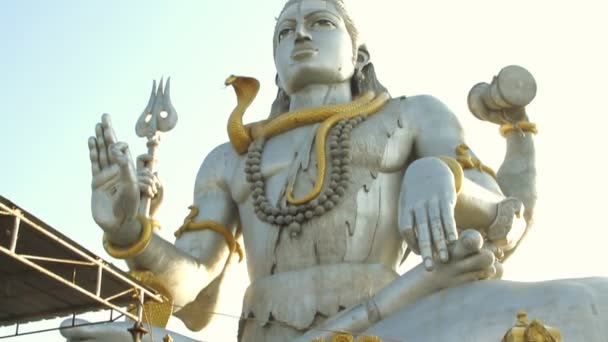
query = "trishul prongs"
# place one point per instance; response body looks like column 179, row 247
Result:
column 158, row 116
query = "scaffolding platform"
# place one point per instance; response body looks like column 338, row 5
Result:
column 44, row 274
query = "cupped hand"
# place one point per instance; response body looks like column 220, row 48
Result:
column 149, row 183
column 426, row 210
column 470, row 260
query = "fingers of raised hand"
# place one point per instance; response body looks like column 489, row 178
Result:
column 108, row 132
column 102, row 147
column 119, row 154
column 94, row 156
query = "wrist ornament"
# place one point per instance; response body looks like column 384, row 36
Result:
column 136, row 247
column 520, row 126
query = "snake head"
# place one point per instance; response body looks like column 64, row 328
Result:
column 159, row 115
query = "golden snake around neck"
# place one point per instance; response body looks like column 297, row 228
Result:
column 241, row 136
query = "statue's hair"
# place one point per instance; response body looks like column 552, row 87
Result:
column 363, row 80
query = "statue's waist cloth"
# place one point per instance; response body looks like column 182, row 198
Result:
column 294, row 298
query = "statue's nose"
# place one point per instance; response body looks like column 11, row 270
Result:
column 302, row 33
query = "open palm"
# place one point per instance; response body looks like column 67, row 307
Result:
column 115, row 196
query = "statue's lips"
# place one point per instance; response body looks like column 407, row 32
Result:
column 303, row 52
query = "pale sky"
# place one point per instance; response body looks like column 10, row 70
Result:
column 64, row 63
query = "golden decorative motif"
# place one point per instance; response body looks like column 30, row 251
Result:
column 190, row 225
column 346, row 337
column 456, row 171
column 135, row 248
column 342, row 337
column 167, row 338
column 155, row 313
column 464, row 158
column 521, row 126
column 535, row 331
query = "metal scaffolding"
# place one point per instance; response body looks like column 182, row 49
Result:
column 44, row 274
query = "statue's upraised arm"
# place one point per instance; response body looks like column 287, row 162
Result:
column 205, row 241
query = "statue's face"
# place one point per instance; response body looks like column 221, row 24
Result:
column 313, row 46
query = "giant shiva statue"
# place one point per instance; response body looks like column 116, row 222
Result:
column 330, row 193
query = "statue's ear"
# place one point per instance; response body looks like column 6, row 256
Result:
column 277, row 81
column 362, row 57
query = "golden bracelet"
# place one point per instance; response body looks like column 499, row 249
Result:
column 456, row 171
column 135, row 248
column 523, row 126
column 190, row 225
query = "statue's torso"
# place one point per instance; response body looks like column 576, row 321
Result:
column 361, row 228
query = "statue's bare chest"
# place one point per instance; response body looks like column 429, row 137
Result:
column 343, row 230
column 380, row 143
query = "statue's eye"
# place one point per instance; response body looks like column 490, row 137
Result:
column 284, row 33
column 323, row 23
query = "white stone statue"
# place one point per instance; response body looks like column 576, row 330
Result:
column 331, row 192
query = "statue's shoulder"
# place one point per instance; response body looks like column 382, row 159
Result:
column 222, row 154
column 219, row 163
column 427, row 110
column 421, row 104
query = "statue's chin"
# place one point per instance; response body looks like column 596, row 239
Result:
column 308, row 75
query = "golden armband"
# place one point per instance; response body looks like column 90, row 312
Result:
column 464, row 158
column 189, row 225
column 136, row 247
column 456, row 171
column 521, row 126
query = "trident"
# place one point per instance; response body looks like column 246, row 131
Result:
column 158, row 116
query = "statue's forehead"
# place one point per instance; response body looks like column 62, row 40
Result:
column 301, row 7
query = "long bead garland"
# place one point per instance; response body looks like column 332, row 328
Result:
column 294, row 216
